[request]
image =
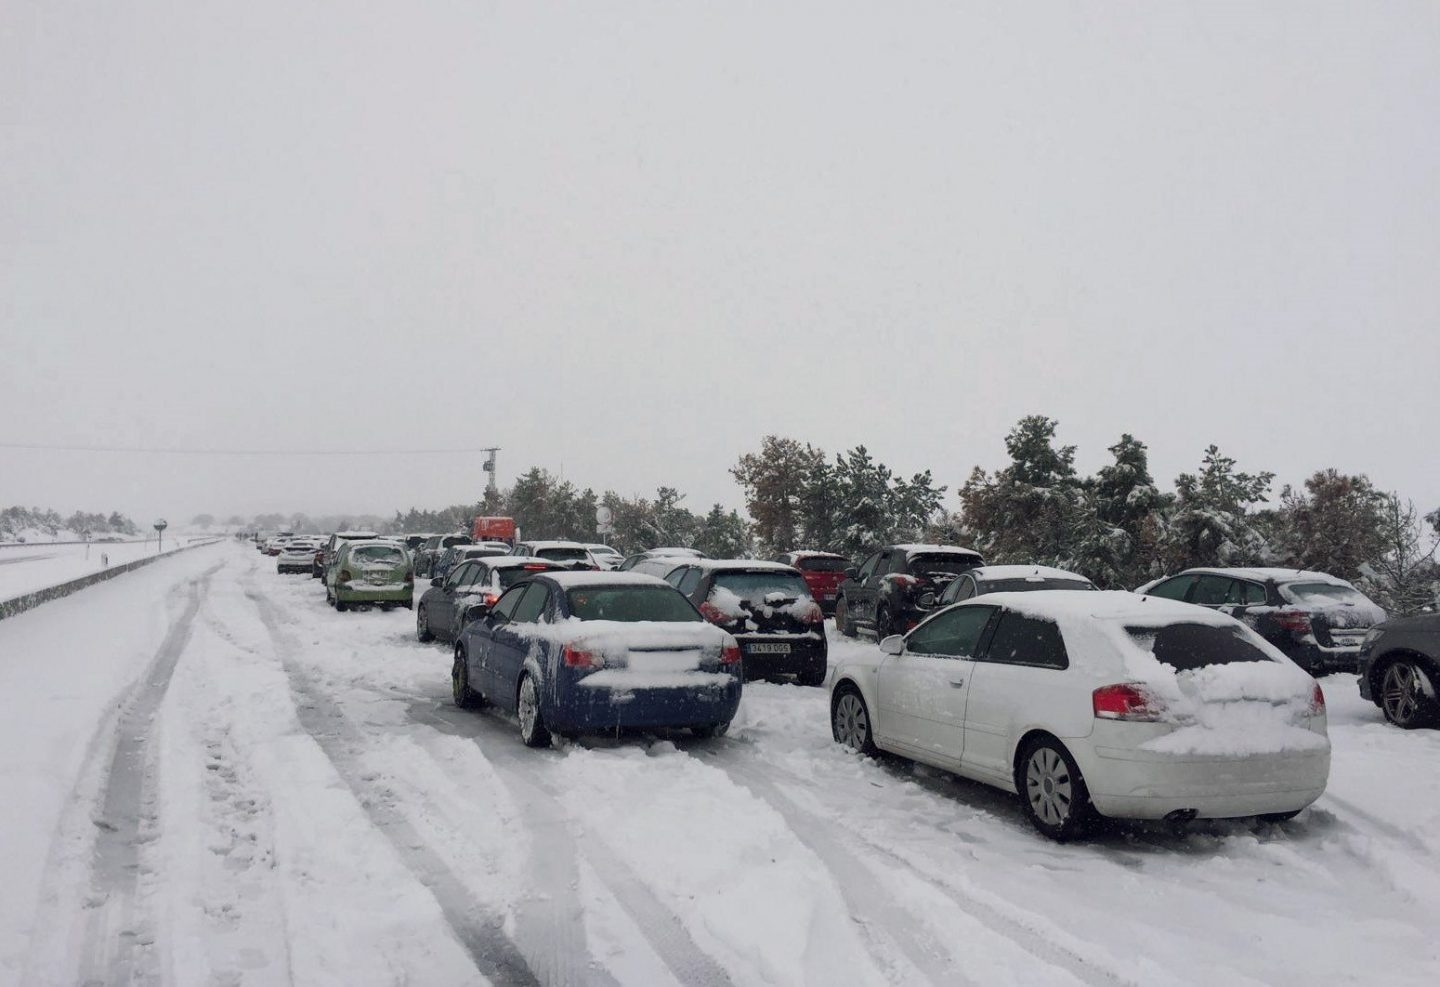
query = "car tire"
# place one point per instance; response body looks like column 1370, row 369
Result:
column 850, row 721
column 707, row 730
column 812, row 676
column 423, row 634
column 460, row 691
column 340, row 606
column 1402, row 694
column 843, row 623
column 527, row 710
column 1052, row 790
column 883, row 623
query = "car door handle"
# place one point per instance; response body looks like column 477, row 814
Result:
column 957, row 683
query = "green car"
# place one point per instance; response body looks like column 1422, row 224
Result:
column 370, row 572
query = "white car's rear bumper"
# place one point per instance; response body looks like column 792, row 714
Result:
column 1134, row 784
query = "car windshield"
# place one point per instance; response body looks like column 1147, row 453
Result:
column 757, row 587
column 1322, row 594
column 631, row 603
column 564, row 554
column 1028, row 585
column 822, row 564
column 1189, row 646
column 378, row 554
column 942, row 564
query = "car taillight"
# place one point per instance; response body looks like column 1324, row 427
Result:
column 905, row 581
column 813, row 614
column 1294, row 621
column 535, row 567
column 409, row 576
column 580, row 658
column 730, row 654
column 1125, row 701
column 714, row 614
column 1317, row 700
column 490, row 599
column 345, row 575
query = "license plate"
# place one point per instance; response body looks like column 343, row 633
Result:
column 827, row 596
column 769, row 649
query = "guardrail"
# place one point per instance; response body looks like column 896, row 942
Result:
column 19, row 604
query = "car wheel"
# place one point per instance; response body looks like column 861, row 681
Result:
column 527, row 708
column 464, row 696
column 422, row 626
column 707, row 730
column 883, row 624
column 1404, row 698
column 850, row 721
column 340, row 605
column 842, row 618
column 1052, row 790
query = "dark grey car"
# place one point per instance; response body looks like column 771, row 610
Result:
column 1400, row 670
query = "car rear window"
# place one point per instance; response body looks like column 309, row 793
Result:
column 946, row 563
column 452, row 540
column 378, row 553
column 564, row 554
column 1322, row 594
column 1189, row 646
column 631, row 603
column 823, row 565
column 1021, row 640
column 1027, row 585
column 511, row 575
column 757, row 586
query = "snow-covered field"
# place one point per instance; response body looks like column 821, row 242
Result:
column 211, row 777
column 34, row 566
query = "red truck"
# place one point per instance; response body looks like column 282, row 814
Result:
column 494, row 529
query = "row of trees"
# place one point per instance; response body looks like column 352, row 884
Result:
column 1116, row 527
column 16, row 521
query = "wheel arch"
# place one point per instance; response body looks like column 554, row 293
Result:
column 1388, row 658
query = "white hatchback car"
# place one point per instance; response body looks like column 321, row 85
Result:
column 1084, row 703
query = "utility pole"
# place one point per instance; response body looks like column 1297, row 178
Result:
column 489, row 468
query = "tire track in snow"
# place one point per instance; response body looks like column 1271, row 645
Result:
column 113, row 949
column 835, row 846
column 661, row 927
column 479, row 930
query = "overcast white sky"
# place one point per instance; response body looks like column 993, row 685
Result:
column 627, row 240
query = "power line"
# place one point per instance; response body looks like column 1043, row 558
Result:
column 172, row 451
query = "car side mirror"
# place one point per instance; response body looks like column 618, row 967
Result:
column 893, row 645
column 852, row 573
column 476, row 611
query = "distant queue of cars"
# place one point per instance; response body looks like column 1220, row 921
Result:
column 1192, row 698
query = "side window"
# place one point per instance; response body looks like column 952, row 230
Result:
column 457, row 574
column 1253, row 594
column 1212, row 591
column 899, row 562
column 1027, row 641
column 1172, row 589
column 470, row 576
column 868, row 568
column 952, row 634
column 505, row 606
column 966, row 588
column 691, row 580
column 533, row 605
column 674, row 576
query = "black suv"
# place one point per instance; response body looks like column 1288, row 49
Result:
column 1319, row 621
column 766, row 606
column 895, row 588
column 1400, row 670
column 429, row 553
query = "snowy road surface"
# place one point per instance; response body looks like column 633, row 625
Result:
column 35, row 566
column 212, row 778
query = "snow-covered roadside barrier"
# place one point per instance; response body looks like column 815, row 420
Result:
column 19, row 604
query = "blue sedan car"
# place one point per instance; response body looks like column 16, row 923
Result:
column 595, row 652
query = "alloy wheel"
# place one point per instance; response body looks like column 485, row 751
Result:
column 852, row 722
column 1048, row 786
column 1401, row 693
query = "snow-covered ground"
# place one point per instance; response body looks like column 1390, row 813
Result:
column 211, row 777
column 30, row 567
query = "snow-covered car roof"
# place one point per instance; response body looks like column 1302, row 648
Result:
column 556, row 544
column 749, row 565
column 515, row 561
column 814, row 554
column 1262, row 574
column 571, row 580
column 912, row 549
column 356, row 534
column 1065, row 606
column 655, row 553
column 368, row 542
column 989, row 572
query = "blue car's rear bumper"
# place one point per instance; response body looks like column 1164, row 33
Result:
column 600, row 709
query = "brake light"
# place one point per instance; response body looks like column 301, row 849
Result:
column 580, row 658
column 535, row 567
column 345, row 575
column 905, row 581
column 490, row 599
column 409, row 577
column 714, row 614
column 1124, row 701
column 813, row 614
column 1317, row 701
column 1294, row 621
column 730, row 654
